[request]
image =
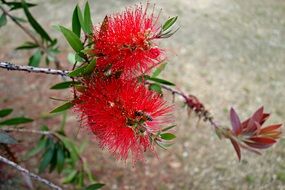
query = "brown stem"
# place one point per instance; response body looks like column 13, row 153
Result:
column 24, row 170
column 191, row 101
column 10, row 66
column 47, row 133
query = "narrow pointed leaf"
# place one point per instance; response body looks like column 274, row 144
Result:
column 90, row 67
column 87, row 18
column 72, row 39
column 263, row 140
column 47, row 157
column 169, row 23
column 38, row 28
column 39, row 147
column 94, row 186
column 63, row 107
column 5, row 138
column 168, row 128
column 60, row 159
column 167, row 136
column 258, row 145
column 159, row 69
column 70, row 177
column 70, row 146
column 76, row 28
column 236, row 124
column 84, row 70
column 156, row 88
column 236, row 147
column 77, row 72
column 270, row 128
column 3, row 20
column 257, row 116
column 18, row 5
column 162, row 81
column 81, row 20
column 27, row 45
column 64, row 85
column 16, row 121
column 35, row 59
column 5, row 112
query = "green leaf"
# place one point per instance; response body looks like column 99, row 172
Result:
column 77, row 72
column 162, row 81
column 60, row 159
column 94, row 186
column 44, row 128
column 3, row 20
column 18, row 5
column 78, row 57
column 168, row 33
column 47, row 157
column 70, row 146
column 38, row 28
column 90, row 67
column 160, row 145
column 63, row 107
column 5, row 112
column 76, row 28
column 168, row 128
column 35, row 59
column 5, row 138
column 27, row 45
column 155, row 87
column 84, row 70
column 159, row 69
column 169, row 23
column 40, row 146
column 81, row 20
column 87, row 18
column 72, row 39
column 167, row 136
column 64, row 85
column 16, row 121
column 70, row 177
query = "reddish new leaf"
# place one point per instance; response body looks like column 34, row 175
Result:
column 236, row 147
column 236, row 124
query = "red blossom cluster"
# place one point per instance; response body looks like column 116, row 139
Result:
column 126, row 42
column 250, row 134
column 116, row 106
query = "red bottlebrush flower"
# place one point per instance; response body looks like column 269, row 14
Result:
column 125, row 41
column 123, row 115
column 250, row 134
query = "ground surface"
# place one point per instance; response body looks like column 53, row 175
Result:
column 227, row 52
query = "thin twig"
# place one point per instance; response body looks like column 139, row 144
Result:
column 198, row 109
column 47, row 133
column 10, row 66
column 191, row 101
column 24, row 170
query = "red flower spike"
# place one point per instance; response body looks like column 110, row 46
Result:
column 126, row 42
column 250, row 134
column 123, row 115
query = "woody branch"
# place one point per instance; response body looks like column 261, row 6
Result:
column 191, row 101
column 24, row 170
